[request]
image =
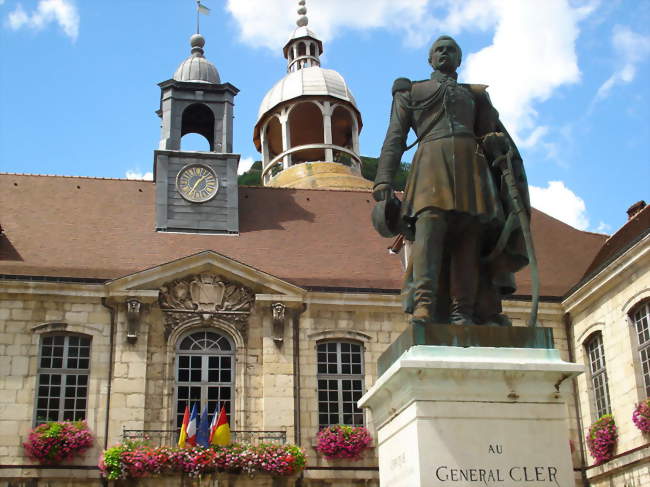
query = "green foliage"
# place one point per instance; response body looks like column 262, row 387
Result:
column 369, row 171
column 252, row 177
column 112, row 462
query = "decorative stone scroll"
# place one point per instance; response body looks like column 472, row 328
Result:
column 134, row 310
column 207, row 296
column 278, row 322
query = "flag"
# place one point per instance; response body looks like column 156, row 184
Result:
column 192, row 426
column 221, row 435
column 213, row 424
column 203, row 435
column 203, row 9
column 183, row 435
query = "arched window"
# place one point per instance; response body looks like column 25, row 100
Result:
column 204, row 373
column 598, row 372
column 306, row 127
column 640, row 316
column 340, row 383
column 198, row 119
column 63, row 365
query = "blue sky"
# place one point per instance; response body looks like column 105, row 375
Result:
column 78, row 81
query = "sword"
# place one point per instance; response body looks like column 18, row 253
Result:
column 518, row 218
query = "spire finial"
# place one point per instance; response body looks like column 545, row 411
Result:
column 302, row 12
column 197, row 41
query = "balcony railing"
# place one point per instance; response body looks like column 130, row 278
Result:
column 170, row 437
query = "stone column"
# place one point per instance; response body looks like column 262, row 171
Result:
column 326, row 108
column 277, row 373
column 129, row 378
column 265, row 144
column 355, row 139
column 286, row 138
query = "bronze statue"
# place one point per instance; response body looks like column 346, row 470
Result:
column 465, row 207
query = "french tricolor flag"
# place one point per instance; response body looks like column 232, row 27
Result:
column 192, row 426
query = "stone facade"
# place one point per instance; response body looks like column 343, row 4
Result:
column 602, row 306
column 274, row 373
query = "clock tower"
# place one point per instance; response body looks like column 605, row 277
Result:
column 196, row 191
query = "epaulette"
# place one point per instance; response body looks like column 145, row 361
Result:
column 401, row 84
column 476, row 89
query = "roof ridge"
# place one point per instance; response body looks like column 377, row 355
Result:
column 629, row 221
column 73, row 177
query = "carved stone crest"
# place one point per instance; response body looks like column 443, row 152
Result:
column 208, row 296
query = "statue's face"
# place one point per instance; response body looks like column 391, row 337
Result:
column 445, row 56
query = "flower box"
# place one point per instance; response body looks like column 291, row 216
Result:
column 54, row 442
column 602, row 438
column 341, row 441
column 641, row 416
column 132, row 460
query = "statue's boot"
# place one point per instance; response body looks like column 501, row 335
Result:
column 464, row 271
column 426, row 255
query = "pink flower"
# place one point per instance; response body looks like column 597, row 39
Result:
column 601, row 439
column 341, row 441
column 54, row 442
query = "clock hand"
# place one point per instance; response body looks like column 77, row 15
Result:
column 197, row 182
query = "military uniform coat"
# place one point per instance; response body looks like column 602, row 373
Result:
column 450, row 170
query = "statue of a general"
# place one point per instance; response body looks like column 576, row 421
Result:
column 459, row 210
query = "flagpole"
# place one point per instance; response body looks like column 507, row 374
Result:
column 198, row 2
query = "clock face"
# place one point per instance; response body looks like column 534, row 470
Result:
column 197, row 183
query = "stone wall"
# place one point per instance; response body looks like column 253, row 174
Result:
column 24, row 318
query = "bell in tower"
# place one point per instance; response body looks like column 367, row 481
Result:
column 196, row 191
column 308, row 124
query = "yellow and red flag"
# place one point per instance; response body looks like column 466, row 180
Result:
column 183, row 435
column 220, row 433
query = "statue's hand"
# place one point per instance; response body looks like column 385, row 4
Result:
column 382, row 191
column 495, row 144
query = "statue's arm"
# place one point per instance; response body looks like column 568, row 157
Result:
column 395, row 141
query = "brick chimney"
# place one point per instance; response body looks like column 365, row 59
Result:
column 635, row 208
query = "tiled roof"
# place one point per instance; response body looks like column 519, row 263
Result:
column 103, row 229
column 633, row 230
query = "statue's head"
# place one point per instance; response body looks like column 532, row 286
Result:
column 445, row 55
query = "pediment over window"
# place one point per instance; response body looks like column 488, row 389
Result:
column 149, row 281
column 205, row 288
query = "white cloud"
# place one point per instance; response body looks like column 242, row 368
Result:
column 269, row 23
column 532, row 52
column 245, row 164
column 603, row 227
column 630, row 50
column 560, row 202
column 134, row 174
column 63, row 12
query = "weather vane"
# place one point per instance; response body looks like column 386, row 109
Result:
column 200, row 9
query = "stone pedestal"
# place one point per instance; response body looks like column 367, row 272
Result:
column 453, row 416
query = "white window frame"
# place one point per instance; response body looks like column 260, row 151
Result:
column 343, row 379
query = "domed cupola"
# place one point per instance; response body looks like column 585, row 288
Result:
column 308, row 123
column 197, row 67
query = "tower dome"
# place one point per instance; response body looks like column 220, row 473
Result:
column 197, row 67
column 308, row 123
